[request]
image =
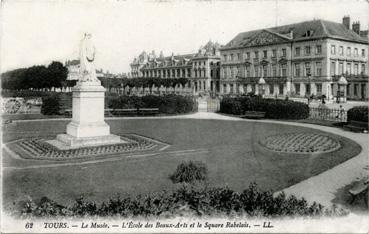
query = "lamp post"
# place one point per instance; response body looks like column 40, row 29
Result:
column 261, row 83
column 341, row 94
column 308, row 95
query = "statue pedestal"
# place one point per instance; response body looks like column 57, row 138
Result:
column 87, row 127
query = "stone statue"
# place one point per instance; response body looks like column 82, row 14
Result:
column 87, row 57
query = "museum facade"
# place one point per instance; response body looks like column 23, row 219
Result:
column 297, row 60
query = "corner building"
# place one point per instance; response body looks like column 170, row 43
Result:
column 297, row 60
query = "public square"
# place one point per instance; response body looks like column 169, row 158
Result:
column 185, row 111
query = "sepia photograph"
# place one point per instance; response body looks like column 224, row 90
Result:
column 184, row 116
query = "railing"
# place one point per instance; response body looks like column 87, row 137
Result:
column 337, row 115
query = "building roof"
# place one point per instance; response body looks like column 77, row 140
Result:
column 307, row 30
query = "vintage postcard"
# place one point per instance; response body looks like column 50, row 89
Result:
column 124, row 116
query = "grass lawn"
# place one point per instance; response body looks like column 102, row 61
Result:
column 230, row 149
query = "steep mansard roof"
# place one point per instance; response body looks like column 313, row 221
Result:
column 299, row 32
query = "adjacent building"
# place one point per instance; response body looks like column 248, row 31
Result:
column 201, row 68
column 297, row 60
column 73, row 71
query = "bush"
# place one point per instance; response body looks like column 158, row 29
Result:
column 50, row 105
column 167, row 104
column 189, row 172
column 358, row 113
column 186, row 200
column 273, row 108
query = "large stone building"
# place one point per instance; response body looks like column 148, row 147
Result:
column 201, row 68
column 297, row 60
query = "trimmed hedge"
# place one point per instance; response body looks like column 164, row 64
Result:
column 50, row 105
column 273, row 108
column 188, row 199
column 167, row 104
column 358, row 113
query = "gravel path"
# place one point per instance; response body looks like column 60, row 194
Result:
column 320, row 188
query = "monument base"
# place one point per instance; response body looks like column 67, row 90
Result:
column 66, row 141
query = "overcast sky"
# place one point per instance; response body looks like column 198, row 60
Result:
column 37, row 32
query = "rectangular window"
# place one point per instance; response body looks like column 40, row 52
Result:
column 348, row 90
column 284, row 52
column 271, row 89
column 232, row 57
column 363, row 52
column 333, row 68
column 356, row 53
column 318, row 49
column 280, row 88
column 256, row 71
column 307, row 50
column 274, row 53
column 318, row 66
column 307, row 89
column 319, row 88
column 307, row 69
column 340, row 68
column 348, row 68
column 362, row 69
column 256, row 54
column 348, row 51
column 238, row 56
column 247, row 71
column 265, row 71
column 356, row 69
column 297, row 51
column 297, row 69
column 224, row 58
column 340, row 50
column 333, row 49
column 356, row 89
column 248, row 55
column 265, row 54
column 284, row 70
column 274, row 69
column 297, row 89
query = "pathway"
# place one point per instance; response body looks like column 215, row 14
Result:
column 320, row 188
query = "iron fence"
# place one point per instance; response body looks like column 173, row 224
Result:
column 337, row 115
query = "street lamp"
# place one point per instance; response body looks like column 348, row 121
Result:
column 341, row 96
column 261, row 83
column 308, row 95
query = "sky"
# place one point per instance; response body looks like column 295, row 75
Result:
column 40, row 31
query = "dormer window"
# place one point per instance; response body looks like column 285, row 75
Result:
column 308, row 33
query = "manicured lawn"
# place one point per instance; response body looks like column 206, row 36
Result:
column 230, row 149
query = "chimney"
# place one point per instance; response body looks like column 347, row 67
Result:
column 346, row 21
column 356, row 27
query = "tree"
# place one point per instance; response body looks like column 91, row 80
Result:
column 57, row 74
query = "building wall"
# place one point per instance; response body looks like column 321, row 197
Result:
column 317, row 63
column 353, row 67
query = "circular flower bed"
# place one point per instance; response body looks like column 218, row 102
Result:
column 300, row 143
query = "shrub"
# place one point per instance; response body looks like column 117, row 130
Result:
column 50, row 105
column 358, row 113
column 187, row 199
column 273, row 108
column 189, row 172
